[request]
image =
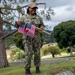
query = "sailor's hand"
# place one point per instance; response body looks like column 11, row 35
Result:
column 40, row 30
column 18, row 22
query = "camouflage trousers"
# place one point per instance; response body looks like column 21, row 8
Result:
column 32, row 48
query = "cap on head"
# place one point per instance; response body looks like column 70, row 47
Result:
column 32, row 5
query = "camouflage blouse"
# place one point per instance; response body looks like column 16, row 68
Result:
column 35, row 20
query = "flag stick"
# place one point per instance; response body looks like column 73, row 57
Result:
column 44, row 31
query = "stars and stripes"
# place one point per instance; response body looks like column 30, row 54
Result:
column 27, row 29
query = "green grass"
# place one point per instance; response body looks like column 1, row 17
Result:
column 46, row 69
column 62, row 55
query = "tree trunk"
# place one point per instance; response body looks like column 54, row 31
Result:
column 53, row 56
column 70, row 45
column 3, row 57
column 71, row 50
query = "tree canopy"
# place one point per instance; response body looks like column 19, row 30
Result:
column 64, row 33
column 10, row 11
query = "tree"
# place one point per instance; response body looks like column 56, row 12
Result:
column 10, row 10
column 64, row 34
column 49, row 38
column 54, row 50
column 47, row 49
column 3, row 58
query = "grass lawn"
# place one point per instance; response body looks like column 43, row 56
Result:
column 46, row 69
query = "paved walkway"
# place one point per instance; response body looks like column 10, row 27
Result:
column 46, row 60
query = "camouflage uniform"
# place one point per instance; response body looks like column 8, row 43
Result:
column 32, row 45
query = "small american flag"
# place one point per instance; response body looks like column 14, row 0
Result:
column 27, row 29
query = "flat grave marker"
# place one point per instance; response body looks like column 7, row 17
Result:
column 65, row 73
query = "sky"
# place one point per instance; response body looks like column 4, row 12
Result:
column 64, row 10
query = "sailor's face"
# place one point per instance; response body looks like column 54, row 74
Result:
column 33, row 10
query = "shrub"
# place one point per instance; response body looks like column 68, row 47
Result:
column 47, row 49
column 44, row 50
column 20, row 54
column 16, row 54
column 18, row 40
column 69, row 50
column 54, row 50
